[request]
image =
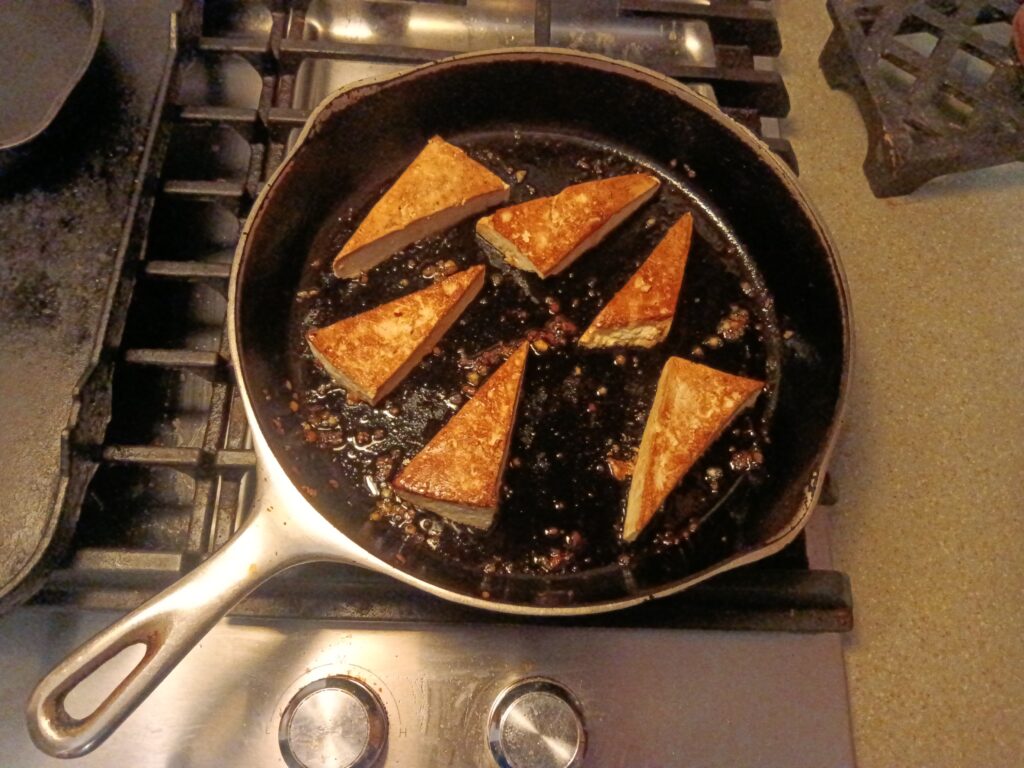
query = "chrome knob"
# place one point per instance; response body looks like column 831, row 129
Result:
column 536, row 723
column 336, row 722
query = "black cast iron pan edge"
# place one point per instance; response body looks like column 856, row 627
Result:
column 285, row 530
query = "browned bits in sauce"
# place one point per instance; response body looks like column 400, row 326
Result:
column 619, row 360
column 310, row 436
column 713, row 476
column 713, row 342
column 293, row 406
column 733, row 326
column 619, row 468
column 744, row 461
column 362, row 438
column 561, row 328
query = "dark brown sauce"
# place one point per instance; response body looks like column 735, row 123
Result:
column 562, row 509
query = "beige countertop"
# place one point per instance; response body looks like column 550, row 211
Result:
column 930, row 468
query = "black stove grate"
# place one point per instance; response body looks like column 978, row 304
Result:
column 937, row 82
column 158, row 453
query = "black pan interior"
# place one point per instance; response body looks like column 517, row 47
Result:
column 756, row 255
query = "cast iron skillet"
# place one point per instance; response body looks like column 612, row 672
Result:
column 515, row 109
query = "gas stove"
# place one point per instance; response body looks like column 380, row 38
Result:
column 330, row 665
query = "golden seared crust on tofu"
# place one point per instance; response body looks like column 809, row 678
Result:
column 640, row 314
column 369, row 354
column 440, row 188
column 458, row 473
column 548, row 234
column 692, row 406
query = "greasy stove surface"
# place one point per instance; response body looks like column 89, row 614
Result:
column 61, row 210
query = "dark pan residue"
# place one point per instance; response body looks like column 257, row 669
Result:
column 562, row 507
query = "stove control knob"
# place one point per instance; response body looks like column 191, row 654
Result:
column 536, row 723
column 336, row 722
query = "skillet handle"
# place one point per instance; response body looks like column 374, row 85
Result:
column 169, row 625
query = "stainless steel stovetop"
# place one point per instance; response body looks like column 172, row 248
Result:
column 326, row 692
column 274, row 692
column 644, row 697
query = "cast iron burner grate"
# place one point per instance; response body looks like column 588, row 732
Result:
column 158, row 457
column 937, row 83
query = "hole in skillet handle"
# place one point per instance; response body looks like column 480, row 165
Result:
column 90, row 693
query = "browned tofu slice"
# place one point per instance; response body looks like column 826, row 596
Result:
column 370, row 353
column 692, row 406
column 458, row 474
column 441, row 187
column 548, row 234
column 640, row 314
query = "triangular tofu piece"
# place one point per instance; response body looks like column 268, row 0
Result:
column 640, row 314
column 441, row 187
column 370, row 353
column 548, row 234
column 692, row 407
column 458, row 473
